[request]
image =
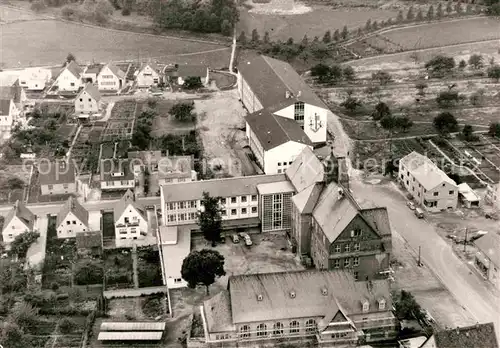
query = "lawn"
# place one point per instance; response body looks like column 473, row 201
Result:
column 107, row 150
column 118, row 268
column 142, row 308
column 223, row 80
column 313, row 23
column 370, row 130
column 164, row 123
column 47, row 42
column 149, row 267
column 67, row 131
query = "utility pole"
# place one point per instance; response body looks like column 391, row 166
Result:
column 419, row 252
column 465, row 240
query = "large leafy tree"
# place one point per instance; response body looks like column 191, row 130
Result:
column 210, row 218
column 22, row 242
column 381, row 110
column 202, row 267
column 445, row 123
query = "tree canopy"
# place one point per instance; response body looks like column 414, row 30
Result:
column 210, row 218
column 440, row 65
column 183, row 111
column 202, row 268
column 22, row 242
column 445, row 123
column 381, row 110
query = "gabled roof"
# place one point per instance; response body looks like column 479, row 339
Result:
column 477, row 336
column 72, row 206
column 267, row 296
column 115, row 70
column 59, row 172
column 92, row 91
column 110, row 166
column 93, row 69
column 22, row 213
column 273, row 131
column 152, row 65
column 5, row 106
column 127, row 200
column 74, row 68
column 187, row 70
column 489, row 245
column 306, row 200
column 11, row 92
column 270, row 78
column 425, row 171
column 305, row 170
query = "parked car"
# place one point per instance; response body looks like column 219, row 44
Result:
column 235, row 238
column 248, row 241
column 411, row 205
column 419, row 213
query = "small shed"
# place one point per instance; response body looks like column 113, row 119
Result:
column 468, row 196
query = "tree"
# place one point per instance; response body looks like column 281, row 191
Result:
column 67, row 326
column 400, row 18
column 446, row 99
column 305, row 41
column 410, row 15
column 439, row 11
column 375, row 25
column 22, row 242
column 445, row 123
column 202, row 267
column 350, row 103
column 494, row 72
column 420, row 16
column 440, row 65
column 404, row 123
column 255, row 36
column 336, row 35
column 388, row 122
column 103, row 7
column 494, row 129
column 462, row 64
column 381, row 110
column 476, row 61
column 407, row 307
column 469, row 9
column 266, row 38
column 421, row 86
column 70, row 58
column 368, row 25
column 210, row 218
column 88, row 271
column 492, row 10
column 458, row 8
column 192, row 82
column 383, row 77
column 289, row 41
column 226, row 28
column 24, row 315
column 344, row 33
column 468, row 133
column 183, row 112
column 430, row 13
column 12, row 336
column 315, row 40
column 320, row 70
column 477, row 98
column 327, row 38
column 449, row 8
column 348, row 73
column 12, row 277
column 242, row 39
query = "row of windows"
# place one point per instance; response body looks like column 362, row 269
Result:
column 81, row 99
column 50, row 187
column 194, row 204
column 435, row 194
column 106, row 83
column 107, row 76
column 347, row 262
column 278, row 329
column 347, row 247
column 235, row 211
column 243, row 199
column 182, row 217
column 112, row 183
column 171, row 180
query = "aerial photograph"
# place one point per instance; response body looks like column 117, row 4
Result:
column 250, row 173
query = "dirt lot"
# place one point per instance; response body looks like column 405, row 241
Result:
column 221, row 124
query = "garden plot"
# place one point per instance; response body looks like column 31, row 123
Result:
column 118, row 267
column 142, row 308
column 148, row 267
column 85, row 152
column 117, row 130
column 123, row 110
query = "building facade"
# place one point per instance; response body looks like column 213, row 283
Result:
column 110, row 78
column 429, row 186
column 19, row 220
column 117, row 175
column 72, row 219
column 70, row 78
column 149, row 75
column 9, row 113
column 487, row 258
column 88, row 101
column 130, row 219
column 57, row 178
column 35, row 79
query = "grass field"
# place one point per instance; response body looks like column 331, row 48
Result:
column 49, row 41
column 164, row 123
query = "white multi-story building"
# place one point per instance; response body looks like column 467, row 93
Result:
column 130, row 218
column 429, row 185
column 110, row 78
column 268, row 83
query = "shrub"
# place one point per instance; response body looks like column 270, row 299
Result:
column 38, row 6
column 66, row 326
column 125, row 12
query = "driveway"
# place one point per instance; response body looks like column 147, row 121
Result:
column 466, row 286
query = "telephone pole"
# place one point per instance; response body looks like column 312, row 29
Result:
column 465, row 240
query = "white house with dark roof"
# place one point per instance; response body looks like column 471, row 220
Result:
column 275, row 140
column 429, row 185
column 57, row 178
column 88, row 101
column 19, row 220
column 72, row 219
column 117, row 174
column 35, row 79
column 265, row 82
column 130, row 218
column 111, row 78
column 326, row 307
column 149, row 75
column 70, row 78
column 181, row 72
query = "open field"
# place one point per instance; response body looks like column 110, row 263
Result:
column 313, row 23
column 164, row 123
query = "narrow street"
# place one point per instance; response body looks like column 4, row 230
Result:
column 467, row 287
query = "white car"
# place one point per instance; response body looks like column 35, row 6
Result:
column 248, row 241
column 411, row 205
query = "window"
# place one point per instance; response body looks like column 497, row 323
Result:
column 294, row 326
column 74, row 222
column 72, row 84
column 290, row 163
column 338, row 248
column 67, row 223
column 65, row 186
column 233, row 199
column 181, row 179
column 192, row 204
column 172, row 206
column 381, row 304
column 366, row 306
column 243, row 210
column 245, row 331
column 278, row 329
column 299, row 111
column 356, row 275
column 347, row 262
column 182, row 205
column 171, row 218
column 243, row 199
column 223, row 213
column 261, row 330
column 279, row 164
column 127, row 220
column 222, row 201
column 90, row 100
column 436, row 193
column 182, row 217
column 81, row 99
column 254, row 210
column 355, row 261
column 177, row 280
column 347, row 248
column 254, row 198
column 311, row 326
column 336, row 263
column 356, row 246
column 451, row 192
column 50, row 187
column 233, row 212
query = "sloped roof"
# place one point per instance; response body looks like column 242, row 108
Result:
column 273, row 131
column 188, row 70
column 306, row 200
column 72, row 206
column 378, row 218
column 92, row 91
column 489, row 245
column 5, row 106
column 152, row 65
column 477, row 336
column 218, row 313
column 270, row 78
column 58, row 172
column 11, row 92
column 110, row 166
column 22, row 213
column 425, row 171
column 127, row 199
column 116, row 70
column 93, row 69
column 74, row 68
column 305, row 170
column 309, row 300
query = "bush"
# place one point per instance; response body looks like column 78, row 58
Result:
column 125, row 12
column 38, row 6
column 66, row 326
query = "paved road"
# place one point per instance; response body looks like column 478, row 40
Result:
column 467, row 287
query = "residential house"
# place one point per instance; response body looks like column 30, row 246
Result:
column 180, row 73
column 19, row 220
column 70, row 78
column 35, row 79
column 174, row 244
column 468, row 197
column 130, row 218
column 89, row 243
column 169, row 169
column 265, row 82
column 8, row 114
column 487, row 258
column 88, row 101
column 149, row 75
column 251, row 201
column 274, row 140
column 57, row 178
column 326, row 308
column 476, row 336
column 91, row 72
column 116, row 174
column 429, row 185
column 111, row 78
column 12, row 102
column 72, row 219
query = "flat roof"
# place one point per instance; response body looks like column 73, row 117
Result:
column 275, row 187
column 132, row 326
column 175, row 253
column 130, row 336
